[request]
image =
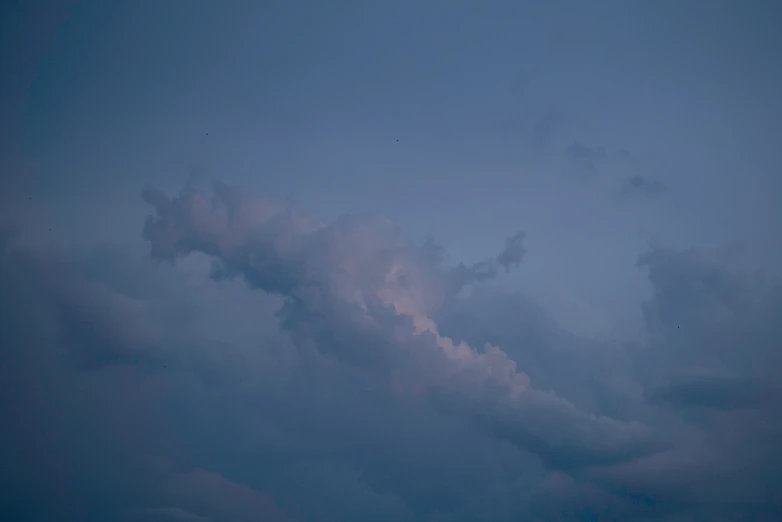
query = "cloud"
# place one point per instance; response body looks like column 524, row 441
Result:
column 593, row 375
column 709, row 390
column 357, row 273
column 711, row 356
column 358, row 290
column 705, row 376
column 483, row 386
column 583, row 159
column 257, row 414
column 704, row 315
column 513, row 253
column 90, row 417
column 303, row 370
column 219, row 498
column 587, row 161
column 641, row 185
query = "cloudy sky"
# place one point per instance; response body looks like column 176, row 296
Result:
column 406, row 261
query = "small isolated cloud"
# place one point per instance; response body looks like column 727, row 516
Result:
column 643, row 186
column 513, row 253
column 584, row 160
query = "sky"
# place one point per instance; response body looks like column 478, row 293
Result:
column 408, row 261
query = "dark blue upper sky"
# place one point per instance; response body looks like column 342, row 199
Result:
column 317, row 351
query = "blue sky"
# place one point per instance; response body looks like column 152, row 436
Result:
column 316, row 351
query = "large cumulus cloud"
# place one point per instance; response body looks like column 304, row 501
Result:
column 289, row 369
column 357, row 289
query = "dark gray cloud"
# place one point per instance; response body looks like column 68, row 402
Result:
column 709, row 390
column 713, row 356
column 513, row 253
